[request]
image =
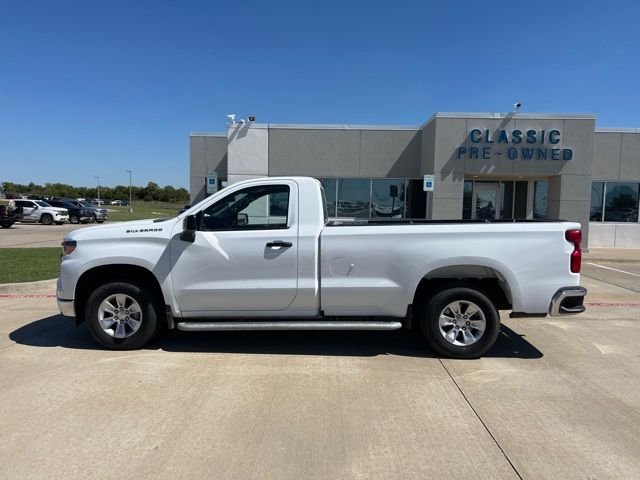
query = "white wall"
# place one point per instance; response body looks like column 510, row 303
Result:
column 621, row 235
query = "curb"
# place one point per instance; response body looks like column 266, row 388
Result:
column 29, row 287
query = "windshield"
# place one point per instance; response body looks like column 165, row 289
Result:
column 84, row 203
column 40, row 203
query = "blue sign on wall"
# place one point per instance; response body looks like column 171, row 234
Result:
column 514, row 145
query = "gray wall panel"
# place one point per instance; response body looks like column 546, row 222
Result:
column 215, row 155
column 630, row 157
column 428, row 144
column 392, row 153
column 606, row 155
column 314, row 152
column 196, row 156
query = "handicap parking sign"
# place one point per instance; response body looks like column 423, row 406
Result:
column 428, row 182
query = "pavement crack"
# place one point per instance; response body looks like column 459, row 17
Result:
column 513, row 467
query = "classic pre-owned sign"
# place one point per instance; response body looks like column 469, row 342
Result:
column 514, row 145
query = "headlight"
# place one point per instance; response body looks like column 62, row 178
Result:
column 68, row 246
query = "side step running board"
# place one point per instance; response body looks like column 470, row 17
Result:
column 286, row 325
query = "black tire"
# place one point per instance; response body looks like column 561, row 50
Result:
column 74, row 219
column 46, row 219
column 59, row 223
column 149, row 324
column 430, row 323
column 6, row 225
column 99, row 221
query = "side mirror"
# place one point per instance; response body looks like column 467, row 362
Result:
column 242, row 219
column 189, row 227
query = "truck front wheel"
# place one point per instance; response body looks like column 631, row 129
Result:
column 460, row 322
column 122, row 316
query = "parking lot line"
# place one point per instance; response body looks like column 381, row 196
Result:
column 614, row 269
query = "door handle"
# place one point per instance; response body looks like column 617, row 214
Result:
column 276, row 244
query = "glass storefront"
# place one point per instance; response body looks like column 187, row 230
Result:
column 504, row 199
column 374, row 197
column 540, row 191
column 614, row 202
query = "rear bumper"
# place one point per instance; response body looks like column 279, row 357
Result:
column 567, row 301
column 66, row 307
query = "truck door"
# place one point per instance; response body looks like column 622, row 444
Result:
column 245, row 254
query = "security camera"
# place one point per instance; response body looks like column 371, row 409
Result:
column 241, row 121
column 252, row 118
column 517, row 105
column 232, row 118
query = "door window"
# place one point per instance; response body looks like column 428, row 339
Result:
column 264, row 207
column 485, row 201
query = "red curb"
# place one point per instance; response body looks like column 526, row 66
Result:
column 603, row 304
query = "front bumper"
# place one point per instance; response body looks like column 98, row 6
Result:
column 66, row 307
column 61, row 218
column 567, row 301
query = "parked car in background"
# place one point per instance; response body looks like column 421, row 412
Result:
column 99, row 214
column 41, row 211
column 77, row 213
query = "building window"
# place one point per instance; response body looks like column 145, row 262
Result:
column 467, row 199
column 621, row 202
column 520, row 200
column 416, row 200
column 354, row 197
column 540, row 191
column 506, row 199
column 387, row 198
column 597, row 199
column 614, row 202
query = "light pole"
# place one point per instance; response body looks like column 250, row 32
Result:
column 130, row 205
column 98, row 180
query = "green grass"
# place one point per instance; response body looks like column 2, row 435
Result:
column 143, row 210
column 29, row 264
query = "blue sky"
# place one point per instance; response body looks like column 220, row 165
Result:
column 98, row 87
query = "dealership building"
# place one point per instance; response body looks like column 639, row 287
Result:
column 485, row 165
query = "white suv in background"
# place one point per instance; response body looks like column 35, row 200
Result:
column 40, row 211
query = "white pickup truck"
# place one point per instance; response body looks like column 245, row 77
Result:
column 262, row 255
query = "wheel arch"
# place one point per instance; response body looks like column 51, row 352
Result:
column 99, row 275
column 493, row 278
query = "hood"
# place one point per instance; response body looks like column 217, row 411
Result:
column 155, row 227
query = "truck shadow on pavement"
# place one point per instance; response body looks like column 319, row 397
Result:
column 59, row 331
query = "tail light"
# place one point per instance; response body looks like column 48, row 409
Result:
column 575, row 237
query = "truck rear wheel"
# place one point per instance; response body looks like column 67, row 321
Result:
column 122, row 316
column 460, row 322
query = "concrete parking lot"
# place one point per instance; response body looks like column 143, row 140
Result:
column 555, row 398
